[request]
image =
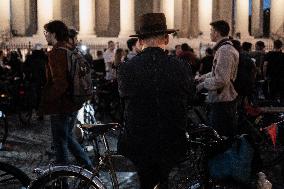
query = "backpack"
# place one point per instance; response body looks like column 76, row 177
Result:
column 244, row 82
column 234, row 163
column 79, row 77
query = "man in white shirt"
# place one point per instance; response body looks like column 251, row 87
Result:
column 109, row 59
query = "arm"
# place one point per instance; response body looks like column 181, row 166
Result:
column 223, row 71
column 58, row 67
column 265, row 69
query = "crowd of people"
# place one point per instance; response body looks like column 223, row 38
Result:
column 155, row 86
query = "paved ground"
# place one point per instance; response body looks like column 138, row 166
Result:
column 27, row 147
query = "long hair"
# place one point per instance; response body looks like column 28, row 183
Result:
column 119, row 53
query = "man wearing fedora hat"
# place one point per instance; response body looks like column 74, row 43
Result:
column 155, row 89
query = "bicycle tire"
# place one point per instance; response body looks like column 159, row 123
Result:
column 3, row 132
column 12, row 176
column 190, row 172
column 60, row 175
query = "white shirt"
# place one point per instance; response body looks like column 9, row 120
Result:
column 109, row 59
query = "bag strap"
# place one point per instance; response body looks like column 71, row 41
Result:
column 50, row 70
column 70, row 62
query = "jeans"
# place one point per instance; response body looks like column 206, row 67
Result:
column 63, row 139
column 223, row 118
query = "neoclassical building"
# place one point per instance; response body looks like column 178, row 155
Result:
column 95, row 19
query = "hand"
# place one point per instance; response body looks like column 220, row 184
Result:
column 200, row 86
column 199, row 78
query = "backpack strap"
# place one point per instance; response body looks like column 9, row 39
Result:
column 69, row 60
column 221, row 43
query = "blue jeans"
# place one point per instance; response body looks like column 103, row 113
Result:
column 63, row 139
column 223, row 118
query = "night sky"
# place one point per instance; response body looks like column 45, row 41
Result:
column 266, row 4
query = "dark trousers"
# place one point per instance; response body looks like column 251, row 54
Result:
column 223, row 118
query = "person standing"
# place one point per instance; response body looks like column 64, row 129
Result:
column 219, row 82
column 273, row 70
column 109, row 60
column 55, row 99
column 155, row 89
column 34, row 68
column 206, row 62
column 134, row 48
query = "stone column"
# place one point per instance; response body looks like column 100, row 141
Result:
column 178, row 14
column 257, row 18
column 87, row 17
column 185, row 19
column 44, row 14
column 168, row 7
column 18, row 17
column 5, row 16
column 223, row 10
column 157, row 5
column 63, row 10
column 126, row 18
column 194, row 18
column 205, row 17
column 276, row 17
column 242, row 18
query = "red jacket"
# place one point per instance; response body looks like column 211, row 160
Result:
column 54, row 96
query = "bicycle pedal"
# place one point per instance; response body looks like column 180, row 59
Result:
column 38, row 171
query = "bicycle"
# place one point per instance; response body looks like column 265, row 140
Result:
column 258, row 122
column 192, row 171
column 4, row 103
column 79, row 177
column 12, row 178
column 106, row 100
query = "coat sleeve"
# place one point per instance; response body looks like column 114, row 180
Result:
column 58, row 72
column 222, row 71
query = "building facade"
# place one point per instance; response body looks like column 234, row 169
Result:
column 118, row 18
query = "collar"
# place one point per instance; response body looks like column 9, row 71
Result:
column 60, row 44
column 153, row 49
column 220, row 42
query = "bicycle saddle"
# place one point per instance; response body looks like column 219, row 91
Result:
column 100, row 129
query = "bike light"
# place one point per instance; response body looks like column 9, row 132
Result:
column 21, row 92
column 83, row 47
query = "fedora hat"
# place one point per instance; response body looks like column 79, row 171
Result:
column 152, row 24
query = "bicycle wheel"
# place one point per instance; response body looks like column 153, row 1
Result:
column 65, row 177
column 12, row 177
column 3, row 130
column 191, row 172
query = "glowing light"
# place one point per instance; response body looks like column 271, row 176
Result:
column 84, row 47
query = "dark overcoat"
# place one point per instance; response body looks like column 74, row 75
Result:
column 155, row 88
